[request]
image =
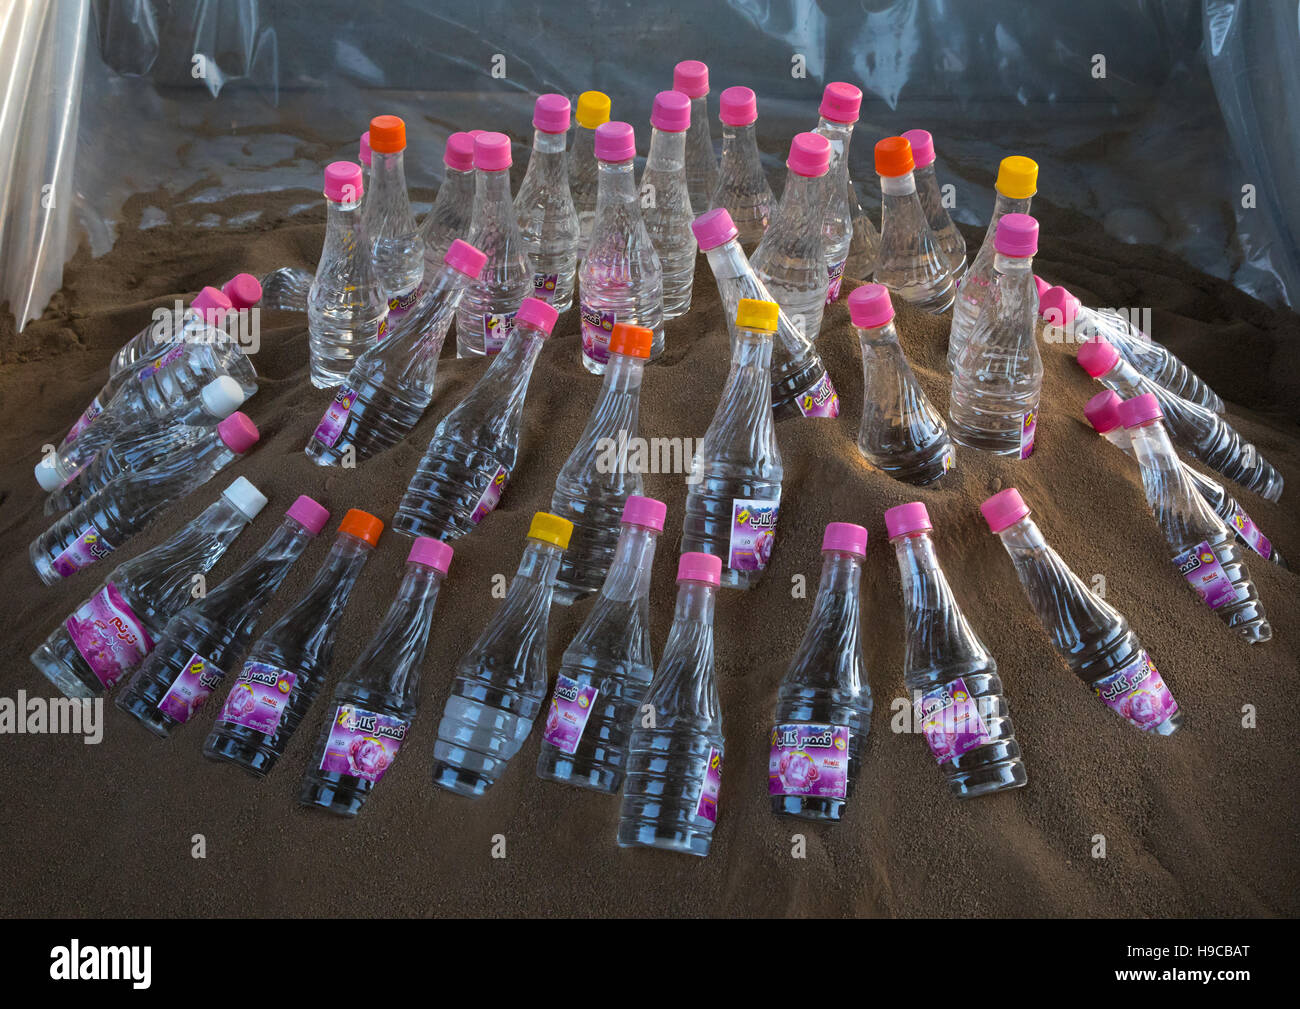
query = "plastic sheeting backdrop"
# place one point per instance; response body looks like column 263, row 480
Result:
column 1146, row 116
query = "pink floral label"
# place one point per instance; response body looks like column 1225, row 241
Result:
column 753, row 533
column 950, row 720
column 492, row 496
column 83, row 422
column 707, row 807
column 596, row 329
column 336, row 415
column 194, row 684
column 363, row 743
column 809, row 760
column 544, row 285
column 821, row 400
column 1138, row 692
column 1028, row 426
column 82, row 552
column 497, row 327
column 1200, row 566
column 108, row 635
column 570, row 708
column 1245, row 527
column 834, row 277
column 259, row 697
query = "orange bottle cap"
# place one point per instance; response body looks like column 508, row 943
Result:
column 894, row 157
column 634, row 341
column 362, row 525
column 387, row 134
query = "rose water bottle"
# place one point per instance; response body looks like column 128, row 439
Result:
column 691, row 78
column 548, row 222
column 668, row 205
column 591, row 112
column 911, row 261
column 945, row 232
column 841, row 103
column 449, row 217
column 396, row 247
column 742, row 190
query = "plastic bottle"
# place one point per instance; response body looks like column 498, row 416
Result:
column 108, row 635
column 391, row 385
column 911, row 261
column 284, row 670
column 607, row 667
column 347, row 308
column 691, row 78
column 591, row 112
column 734, row 489
column 945, row 232
column 668, row 213
column 287, row 288
column 191, row 656
column 864, row 249
column 742, row 190
column 901, row 433
column 473, row 451
column 997, row 378
column 374, row 704
column 823, row 705
column 674, row 767
column 1092, row 636
column 800, row 382
column 957, row 693
column 791, row 258
column 598, row 477
column 548, row 222
column 366, row 155
column 449, row 217
column 839, row 109
column 500, row 682
column 396, row 247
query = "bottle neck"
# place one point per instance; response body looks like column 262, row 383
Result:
column 616, row 183
column 751, row 349
column 247, row 590
column 897, row 185
column 623, row 375
column 839, row 134
column 390, row 663
column 878, row 336
column 629, row 574
column 537, row 569
column 492, row 192
column 1006, row 205
column 1152, row 447
column 313, row 618
column 740, row 140
column 728, row 261
column 342, row 226
column 800, row 194
column 695, row 603
column 387, row 173
column 1013, row 266
column 667, row 152
column 938, row 635
column 547, row 163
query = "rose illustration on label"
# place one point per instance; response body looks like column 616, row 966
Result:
column 241, row 701
column 368, row 758
column 798, row 770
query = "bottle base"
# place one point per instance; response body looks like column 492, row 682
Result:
column 146, row 715
column 1001, row 777
column 647, row 834
column 253, row 759
column 562, row 769
column 332, row 796
column 459, row 780
column 65, row 679
column 1170, row 725
column 822, row 809
column 993, row 444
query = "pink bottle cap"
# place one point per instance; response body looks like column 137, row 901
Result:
column 615, row 141
column 841, row 103
column 492, row 152
column 1140, row 410
column 537, row 313
column 738, row 106
column 309, row 514
column 1102, row 411
column 213, row 304
column 691, row 78
column 463, row 257
column 671, row 112
column 907, row 518
column 1058, row 306
column 431, row 553
column 869, row 306
column 1004, row 509
column 363, row 149
column 551, row 114
column 713, row 228
column 238, row 432
column 700, row 568
column 1017, row 235
column 343, row 182
column 243, row 289
column 1097, row 356
column 644, row 511
column 810, row 155
column 922, row 147
column 1041, row 286
column 459, row 152
column 846, row 538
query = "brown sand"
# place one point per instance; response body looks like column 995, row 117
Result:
column 1203, row 823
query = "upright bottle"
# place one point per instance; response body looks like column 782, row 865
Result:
column 285, row 668
column 911, row 261
column 674, row 767
column 607, row 667
column 668, row 213
column 742, row 190
column 347, row 309
column 365, row 154
column 487, row 312
column 111, row 632
column 449, row 217
column 734, row 488
column 595, row 482
column 945, row 232
column 997, row 378
column 791, row 258
column 374, row 704
column 621, row 278
column 841, row 103
column 953, row 680
column 1091, row 635
column 195, row 649
column 823, row 705
column 591, row 112
column 1205, row 552
column 396, row 247
column 500, row 682
column 901, row 434
column 548, row 222
column 691, row 78
column 473, row 451
column 391, row 385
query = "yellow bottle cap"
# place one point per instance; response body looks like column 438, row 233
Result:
column 1017, row 177
column 551, row 529
column 759, row 315
column 592, row 110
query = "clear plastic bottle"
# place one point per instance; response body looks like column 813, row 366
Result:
column 366, row 156
column 791, row 259
column 663, row 190
column 997, row 378
column 449, row 217
column 111, row 632
column 286, row 667
column 957, row 693
column 1205, row 551
column 734, row 488
column 500, row 682
column 464, row 471
column 591, row 112
column 742, row 190
column 287, row 288
column 1201, row 433
column 691, row 78
column 347, row 309
column 107, row 519
column 800, row 382
column 391, row 385
column 597, row 478
column 607, row 667
column 548, row 222
column 191, row 656
column 674, row 758
column 901, row 433
column 375, row 703
column 1091, row 636
column 839, row 109
column 823, row 705
column 864, row 249
column 911, row 263
column 950, row 240
column 396, row 248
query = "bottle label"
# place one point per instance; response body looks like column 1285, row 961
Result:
column 753, row 533
column 707, row 807
column 821, row 400
column 400, row 304
column 809, row 760
column 544, row 285
column 951, row 721
column 835, row 277
column 497, row 327
column 83, row 422
column 596, row 328
column 363, row 743
column 381, row 330
column 492, row 496
column 196, row 681
column 1028, row 426
column 570, row 708
column 1244, row 526
column 259, row 697
column 82, row 552
column 331, row 425
column 108, row 635
column 159, row 363
column 1138, row 692
column 1202, row 569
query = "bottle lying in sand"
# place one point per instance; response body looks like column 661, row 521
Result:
column 285, row 669
column 500, row 682
column 997, row 378
column 799, row 379
column 838, row 112
column 111, row 632
column 734, row 488
column 287, row 288
column 674, row 758
column 1199, row 432
column 1205, row 552
column 742, row 190
column 596, row 480
column 1102, row 412
column 108, row 518
column 691, row 78
column 911, row 263
column 449, row 217
column 607, row 667
column 1091, row 635
column 374, row 704
column 901, row 434
column 463, row 472
column 957, row 693
column 396, row 248
column 548, row 222
column 591, row 112
column 391, row 385
column 823, row 705
column 347, row 309
column 191, row 656
column 667, row 201
column 945, row 232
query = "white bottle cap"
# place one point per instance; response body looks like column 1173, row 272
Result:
column 222, row 397
column 47, row 473
column 244, row 496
